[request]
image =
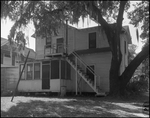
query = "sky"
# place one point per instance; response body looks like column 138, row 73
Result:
column 7, row 24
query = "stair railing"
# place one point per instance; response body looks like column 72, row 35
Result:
column 86, row 66
column 54, row 47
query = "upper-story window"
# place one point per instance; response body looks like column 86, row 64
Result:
column 48, row 40
column 92, row 40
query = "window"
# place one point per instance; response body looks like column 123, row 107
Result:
column 55, row 69
column 125, row 47
column 23, row 74
column 1, row 58
column 92, row 40
column 7, row 55
column 29, row 71
column 37, row 71
column 48, row 40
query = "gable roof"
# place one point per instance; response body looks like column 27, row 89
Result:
column 5, row 42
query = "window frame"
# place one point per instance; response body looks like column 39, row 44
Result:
column 35, row 71
column 91, row 40
column 48, row 42
column 32, row 71
column 24, row 71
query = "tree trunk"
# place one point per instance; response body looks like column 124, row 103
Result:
column 129, row 71
column 113, row 78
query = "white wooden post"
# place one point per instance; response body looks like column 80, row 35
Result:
column 76, row 77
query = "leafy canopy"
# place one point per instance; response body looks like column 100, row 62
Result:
column 48, row 16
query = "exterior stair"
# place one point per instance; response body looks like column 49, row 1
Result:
column 85, row 77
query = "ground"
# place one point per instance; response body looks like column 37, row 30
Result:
column 29, row 106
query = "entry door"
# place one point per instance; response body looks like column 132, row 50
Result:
column 89, row 73
column 45, row 76
column 60, row 45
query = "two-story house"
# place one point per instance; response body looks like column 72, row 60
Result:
column 7, row 60
column 76, row 59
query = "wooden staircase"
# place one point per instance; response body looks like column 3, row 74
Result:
column 75, row 65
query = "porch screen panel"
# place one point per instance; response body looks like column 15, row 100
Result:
column 55, row 69
column 37, row 70
column 63, row 69
column 29, row 71
column 68, row 71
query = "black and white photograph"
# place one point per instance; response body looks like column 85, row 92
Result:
column 75, row 58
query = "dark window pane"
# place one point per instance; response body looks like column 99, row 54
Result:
column 37, row 67
column 7, row 55
column 37, row 75
column 48, row 40
column 29, row 71
column 55, row 69
column 37, row 71
column 92, row 40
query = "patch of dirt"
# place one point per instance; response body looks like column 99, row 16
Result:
column 23, row 106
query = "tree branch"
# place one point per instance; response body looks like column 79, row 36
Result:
column 120, row 15
column 101, row 20
column 127, row 74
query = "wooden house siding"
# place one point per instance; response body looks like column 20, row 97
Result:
column 102, row 62
column 82, row 38
column 9, row 78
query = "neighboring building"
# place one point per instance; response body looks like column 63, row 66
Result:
column 56, row 68
column 10, row 65
column 7, row 60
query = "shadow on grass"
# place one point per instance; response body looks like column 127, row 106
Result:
column 71, row 107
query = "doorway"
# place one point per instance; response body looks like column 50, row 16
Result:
column 45, row 76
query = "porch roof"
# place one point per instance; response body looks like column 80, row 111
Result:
column 95, row 50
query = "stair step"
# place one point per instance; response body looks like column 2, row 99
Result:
column 100, row 94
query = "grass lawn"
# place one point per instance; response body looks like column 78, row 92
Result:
column 27, row 106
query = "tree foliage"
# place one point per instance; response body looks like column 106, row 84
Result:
column 140, row 14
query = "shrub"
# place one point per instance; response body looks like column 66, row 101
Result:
column 137, row 84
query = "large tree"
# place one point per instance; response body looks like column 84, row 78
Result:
column 48, row 16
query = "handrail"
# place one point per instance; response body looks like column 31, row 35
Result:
column 54, row 46
column 92, row 71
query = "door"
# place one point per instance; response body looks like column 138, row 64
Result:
column 89, row 73
column 60, row 46
column 45, row 76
